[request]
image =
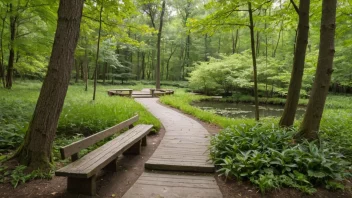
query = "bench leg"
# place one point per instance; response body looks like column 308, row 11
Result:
column 86, row 186
column 144, row 141
column 135, row 149
column 112, row 166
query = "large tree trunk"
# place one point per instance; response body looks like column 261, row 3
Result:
column 294, row 89
column 36, row 149
column 251, row 27
column 310, row 125
column 157, row 70
column 97, row 54
column 10, row 68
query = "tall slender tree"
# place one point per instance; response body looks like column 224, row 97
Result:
column 310, row 125
column 251, row 27
column 97, row 54
column 36, row 148
column 157, row 70
column 294, row 89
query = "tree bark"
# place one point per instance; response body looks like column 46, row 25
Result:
column 97, row 54
column 157, row 70
column 168, row 62
column 294, row 89
column 77, row 70
column 10, row 66
column 251, row 27
column 105, row 71
column 2, row 67
column 35, row 152
column 143, row 65
column 85, row 69
column 310, row 125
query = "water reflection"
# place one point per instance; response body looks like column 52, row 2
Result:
column 243, row 110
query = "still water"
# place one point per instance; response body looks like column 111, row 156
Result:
column 243, row 110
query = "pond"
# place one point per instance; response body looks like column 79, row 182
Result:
column 243, row 110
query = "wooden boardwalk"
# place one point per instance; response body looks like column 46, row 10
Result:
column 151, row 185
column 185, row 144
column 183, row 148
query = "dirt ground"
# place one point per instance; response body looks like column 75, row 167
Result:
column 117, row 184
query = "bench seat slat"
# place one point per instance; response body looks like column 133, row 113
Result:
column 99, row 158
column 86, row 142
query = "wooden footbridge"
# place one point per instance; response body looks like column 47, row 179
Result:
column 144, row 93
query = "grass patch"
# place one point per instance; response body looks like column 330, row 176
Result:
column 80, row 114
column 182, row 101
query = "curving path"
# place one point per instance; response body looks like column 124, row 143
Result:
column 183, row 148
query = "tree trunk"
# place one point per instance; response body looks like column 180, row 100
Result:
column 9, row 75
column 2, row 67
column 278, row 40
column 157, row 71
column 294, row 89
column 206, row 47
column 143, row 65
column 234, row 42
column 35, row 152
column 138, row 66
column 258, row 44
column 168, row 62
column 85, row 68
column 105, row 71
column 77, row 70
column 97, row 55
column 310, row 125
column 251, row 27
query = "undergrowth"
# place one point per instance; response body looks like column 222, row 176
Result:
column 268, row 156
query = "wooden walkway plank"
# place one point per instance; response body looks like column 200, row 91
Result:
column 174, row 186
column 183, row 135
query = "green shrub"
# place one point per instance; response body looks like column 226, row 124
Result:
column 268, row 156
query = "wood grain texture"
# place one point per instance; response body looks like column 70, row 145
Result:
column 174, row 186
column 86, row 142
column 185, row 144
column 91, row 163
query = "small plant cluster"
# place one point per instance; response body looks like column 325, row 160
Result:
column 19, row 175
column 269, row 157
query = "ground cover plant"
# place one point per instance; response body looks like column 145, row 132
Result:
column 268, row 155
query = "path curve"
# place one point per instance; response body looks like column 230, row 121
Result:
column 183, row 148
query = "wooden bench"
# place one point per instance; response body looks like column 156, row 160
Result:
column 120, row 92
column 82, row 172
